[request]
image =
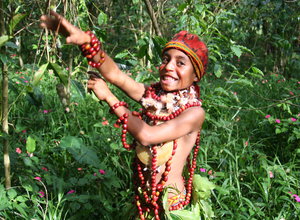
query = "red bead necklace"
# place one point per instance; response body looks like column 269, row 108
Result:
column 148, row 193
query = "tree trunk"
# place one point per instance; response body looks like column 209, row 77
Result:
column 19, row 43
column 4, row 109
column 5, row 125
column 153, row 18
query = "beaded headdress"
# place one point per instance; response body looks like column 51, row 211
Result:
column 193, row 47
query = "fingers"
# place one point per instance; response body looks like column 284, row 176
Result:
column 44, row 19
column 68, row 40
column 94, row 74
column 58, row 16
column 55, row 22
column 59, row 24
column 93, row 81
column 90, row 86
column 48, row 22
column 99, row 88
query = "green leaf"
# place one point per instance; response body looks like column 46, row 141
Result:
column 12, row 193
column 199, row 7
column 221, row 91
column 3, row 58
column 182, row 7
column 11, row 45
column 29, row 89
column 166, row 203
column 202, row 187
column 39, row 74
column 222, row 190
column 79, row 151
column 142, row 51
column 122, row 54
column 256, row 70
column 21, row 199
column 202, row 183
column 14, row 21
column 245, row 82
column 60, row 73
column 71, row 142
column 98, row 125
column 236, row 50
column 114, row 146
column 21, row 210
column 207, row 209
column 30, row 144
column 79, row 88
column 218, row 70
column 186, row 214
column 4, row 39
column 27, row 187
column 4, row 202
column 102, row 18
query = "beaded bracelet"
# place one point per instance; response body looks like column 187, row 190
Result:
column 118, row 104
column 89, row 50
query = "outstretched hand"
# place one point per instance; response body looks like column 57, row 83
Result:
column 99, row 87
column 57, row 23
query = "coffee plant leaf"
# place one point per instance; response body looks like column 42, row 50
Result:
column 30, row 144
column 39, row 74
column 4, row 39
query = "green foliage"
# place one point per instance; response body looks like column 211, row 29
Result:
column 102, row 18
column 14, row 21
column 3, row 40
column 60, row 73
column 251, row 162
column 39, row 74
column 81, row 153
column 30, row 145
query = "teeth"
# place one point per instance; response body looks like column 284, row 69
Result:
column 169, row 78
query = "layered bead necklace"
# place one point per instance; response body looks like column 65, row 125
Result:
column 160, row 106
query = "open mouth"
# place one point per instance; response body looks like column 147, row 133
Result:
column 167, row 79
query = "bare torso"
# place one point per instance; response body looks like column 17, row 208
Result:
column 175, row 178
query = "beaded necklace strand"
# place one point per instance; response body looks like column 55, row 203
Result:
column 148, row 194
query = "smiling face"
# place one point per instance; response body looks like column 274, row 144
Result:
column 176, row 71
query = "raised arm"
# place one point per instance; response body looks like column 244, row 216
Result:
column 109, row 70
column 190, row 120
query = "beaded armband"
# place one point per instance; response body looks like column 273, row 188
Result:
column 89, row 50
